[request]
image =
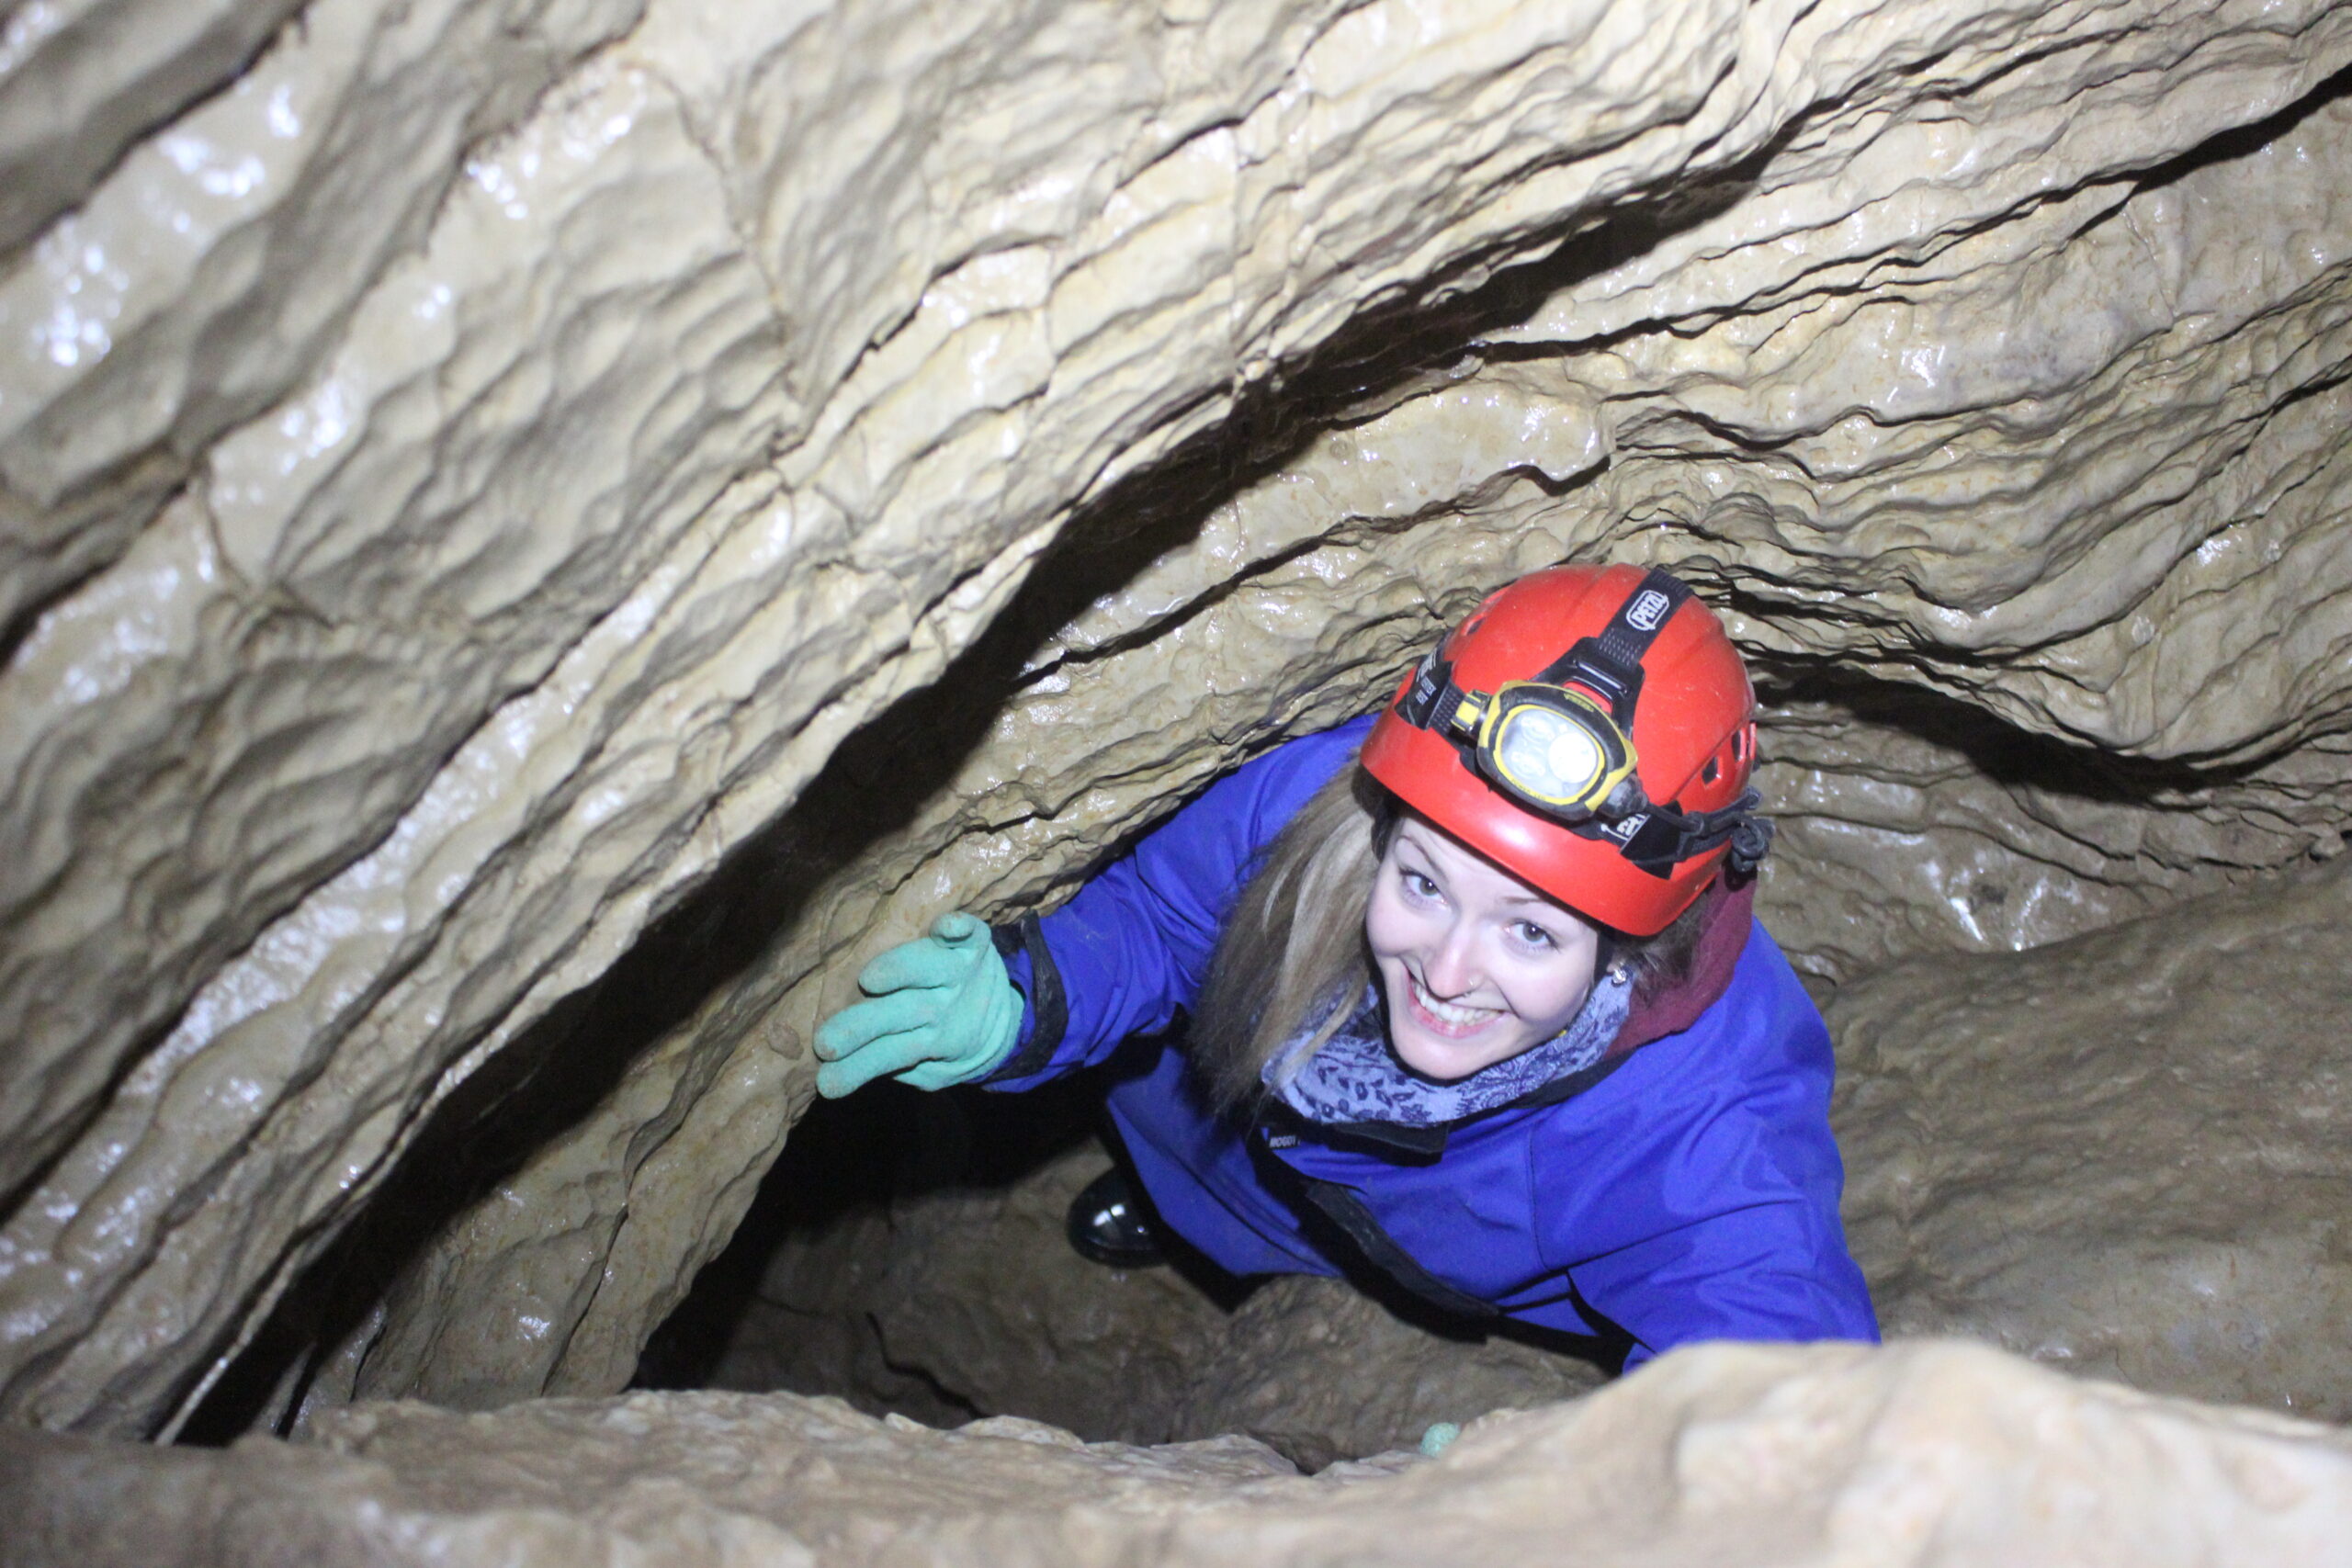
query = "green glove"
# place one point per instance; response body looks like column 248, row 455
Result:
column 940, row 1011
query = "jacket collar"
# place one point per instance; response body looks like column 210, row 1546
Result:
column 1727, row 914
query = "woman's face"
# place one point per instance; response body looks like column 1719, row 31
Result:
column 1476, row 966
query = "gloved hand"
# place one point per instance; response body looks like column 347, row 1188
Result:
column 940, row 1011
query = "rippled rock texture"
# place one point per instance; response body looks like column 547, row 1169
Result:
column 2125, row 1154
column 539, row 531
column 1940, row 1455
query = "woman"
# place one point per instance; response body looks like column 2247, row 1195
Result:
column 1482, row 1006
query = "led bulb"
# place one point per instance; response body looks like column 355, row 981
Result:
column 1548, row 754
column 1575, row 757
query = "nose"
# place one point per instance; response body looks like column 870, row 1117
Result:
column 1452, row 969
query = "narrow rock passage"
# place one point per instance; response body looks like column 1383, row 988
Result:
column 944, row 1290
column 537, row 534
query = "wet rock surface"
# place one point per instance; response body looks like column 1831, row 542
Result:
column 1934, row 1454
column 2126, row 1154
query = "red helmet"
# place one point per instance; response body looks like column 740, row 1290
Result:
column 1589, row 729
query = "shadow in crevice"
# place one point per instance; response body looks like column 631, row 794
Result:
column 895, row 1211
column 888, row 1143
column 891, row 1145
column 2245, row 140
column 2008, row 755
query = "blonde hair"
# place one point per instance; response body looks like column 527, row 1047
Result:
column 1290, row 961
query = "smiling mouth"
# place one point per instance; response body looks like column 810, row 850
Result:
column 1451, row 1019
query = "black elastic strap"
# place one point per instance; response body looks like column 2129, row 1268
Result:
column 1049, row 1003
column 1663, row 838
column 1430, row 700
column 1639, row 619
column 1612, row 663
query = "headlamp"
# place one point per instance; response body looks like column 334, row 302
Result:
column 1558, row 745
column 1552, row 749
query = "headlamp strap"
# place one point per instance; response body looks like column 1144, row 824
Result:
column 1429, row 701
column 1662, row 838
column 1610, row 665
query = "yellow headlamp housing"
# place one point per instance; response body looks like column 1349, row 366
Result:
column 1552, row 749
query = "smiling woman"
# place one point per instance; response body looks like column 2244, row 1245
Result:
column 1477, row 966
column 1480, row 1005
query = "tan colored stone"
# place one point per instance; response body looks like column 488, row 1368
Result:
column 218, row 261
column 1936, row 1454
column 1917, row 827
column 419, row 594
column 81, row 80
column 2125, row 1153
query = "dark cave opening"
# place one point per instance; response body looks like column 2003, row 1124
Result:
column 906, row 1254
column 849, row 1160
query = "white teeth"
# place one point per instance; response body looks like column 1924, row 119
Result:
column 1449, row 1012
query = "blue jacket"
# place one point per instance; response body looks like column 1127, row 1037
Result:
column 1690, row 1193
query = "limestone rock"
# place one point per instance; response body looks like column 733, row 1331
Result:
column 218, row 261
column 81, row 80
column 502, row 490
column 1909, row 828
column 2126, row 1153
column 1941, row 1455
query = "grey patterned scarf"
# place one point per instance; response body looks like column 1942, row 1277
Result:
column 1356, row 1078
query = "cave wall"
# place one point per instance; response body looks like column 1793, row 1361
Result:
column 540, row 533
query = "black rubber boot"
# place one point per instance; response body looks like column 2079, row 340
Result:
column 1107, row 1224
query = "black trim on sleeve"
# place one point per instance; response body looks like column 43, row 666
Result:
column 1048, row 1004
column 1344, row 1210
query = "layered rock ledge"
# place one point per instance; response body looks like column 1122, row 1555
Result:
column 1937, row 1454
